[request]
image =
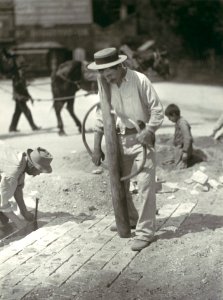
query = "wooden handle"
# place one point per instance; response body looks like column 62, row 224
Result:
column 127, row 177
column 36, row 209
column 113, row 155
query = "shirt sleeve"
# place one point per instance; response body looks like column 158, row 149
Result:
column 98, row 120
column 20, row 90
column 187, row 138
column 8, row 187
column 153, row 104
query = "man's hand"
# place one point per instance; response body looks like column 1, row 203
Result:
column 146, row 137
column 15, row 219
column 20, row 224
column 97, row 157
column 28, row 215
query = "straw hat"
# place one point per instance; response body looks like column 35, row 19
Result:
column 40, row 158
column 106, row 58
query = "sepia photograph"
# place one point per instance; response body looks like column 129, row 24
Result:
column 111, row 149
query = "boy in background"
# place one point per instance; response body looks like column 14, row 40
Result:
column 183, row 139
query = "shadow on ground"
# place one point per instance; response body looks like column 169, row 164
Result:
column 12, row 135
column 192, row 224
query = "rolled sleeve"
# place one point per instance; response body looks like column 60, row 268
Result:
column 98, row 126
column 154, row 105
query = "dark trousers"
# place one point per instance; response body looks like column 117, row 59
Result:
column 21, row 107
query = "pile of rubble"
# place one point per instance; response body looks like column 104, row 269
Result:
column 202, row 183
column 199, row 182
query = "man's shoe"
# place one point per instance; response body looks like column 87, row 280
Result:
column 138, row 245
column 36, row 128
column 114, row 227
column 13, row 130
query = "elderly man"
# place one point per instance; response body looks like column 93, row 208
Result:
column 13, row 166
column 132, row 97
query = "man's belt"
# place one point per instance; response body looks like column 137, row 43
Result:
column 128, row 131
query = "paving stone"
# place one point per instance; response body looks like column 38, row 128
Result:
column 165, row 213
column 199, row 177
column 99, row 260
column 85, row 260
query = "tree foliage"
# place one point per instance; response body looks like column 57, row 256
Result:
column 198, row 22
column 106, row 12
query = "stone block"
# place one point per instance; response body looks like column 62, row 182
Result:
column 200, row 177
column 214, row 183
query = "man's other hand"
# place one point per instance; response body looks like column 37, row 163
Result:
column 28, row 216
column 15, row 219
column 97, row 157
column 146, row 137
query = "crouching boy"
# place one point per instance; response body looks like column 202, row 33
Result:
column 183, row 140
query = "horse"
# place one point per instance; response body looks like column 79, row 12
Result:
column 143, row 60
column 156, row 60
column 66, row 80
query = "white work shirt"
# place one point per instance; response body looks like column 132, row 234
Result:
column 136, row 99
column 12, row 175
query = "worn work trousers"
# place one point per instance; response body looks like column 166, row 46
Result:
column 21, row 107
column 144, row 218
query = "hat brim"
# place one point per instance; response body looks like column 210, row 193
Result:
column 38, row 167
column 94, row 66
